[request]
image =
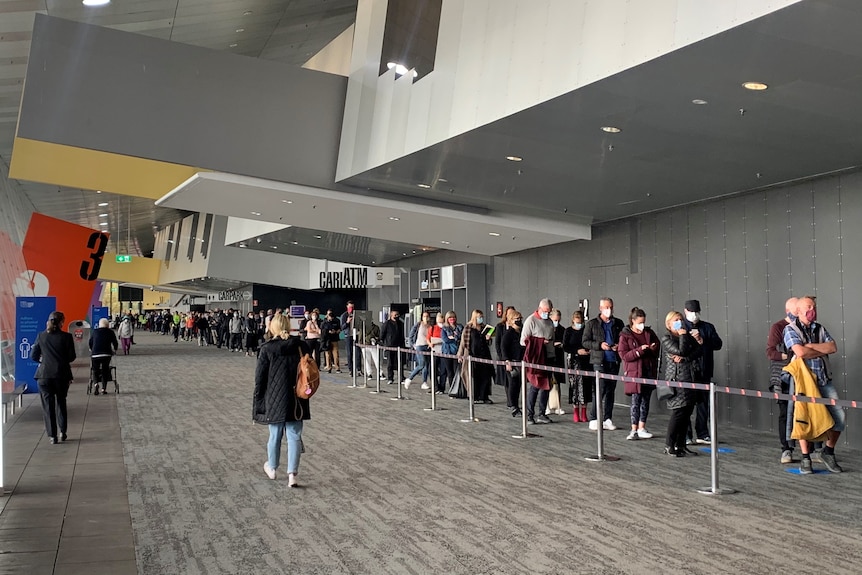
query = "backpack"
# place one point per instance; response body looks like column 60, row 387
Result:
column 307, row 377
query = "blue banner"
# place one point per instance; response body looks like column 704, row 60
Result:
column 31, row 315
column 97, row 313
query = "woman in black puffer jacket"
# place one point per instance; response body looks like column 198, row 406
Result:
column 680, row 353
column 275, row 402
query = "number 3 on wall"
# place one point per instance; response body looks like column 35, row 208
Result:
column 98, row 242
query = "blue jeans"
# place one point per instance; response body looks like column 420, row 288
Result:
column 293, row 431
column 422, row 363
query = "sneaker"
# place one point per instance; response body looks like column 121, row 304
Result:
column 830, row 463
column 594, row 425
column 531, row 421
column 561, row 412
column 407, row 382
column 339, row 371
column 689, row 441
column 270, row 472
column 425, row 385
column 644, row 434
column 815, row 457
column 438, row 392
column 547, row 411
column 608, row 425
column 786, row 456
column 805, row 467
column 632, row 435
column 543, row 419
column 291, row 480
column 368, row 377
column 703, row 440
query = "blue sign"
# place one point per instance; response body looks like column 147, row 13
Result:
column 97, row 313
column 297, row 310
column 31, row 315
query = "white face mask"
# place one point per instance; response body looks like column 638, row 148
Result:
column 440, row 324
column 607, row 312
column 639, row 326
column 579, row 326
column 692, row 316
column 556, row 323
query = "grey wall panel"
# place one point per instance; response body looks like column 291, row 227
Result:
column 181, row 103
column 851, row 275
column 698, row 284
column 778, row 282
column 756, row 368
column 679, row 271
column 649, row 271
column 664, row 263
column 734, row 354
column 801, row 223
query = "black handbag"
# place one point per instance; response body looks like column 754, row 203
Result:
column 665, row 391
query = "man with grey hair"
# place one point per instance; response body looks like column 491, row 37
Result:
column 103, row 344
column 601, row 337
column 537, row 337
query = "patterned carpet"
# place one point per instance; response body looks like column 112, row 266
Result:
column 388, row 488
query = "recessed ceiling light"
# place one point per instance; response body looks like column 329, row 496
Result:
column 611, row 129
column 242, row 245
column 98, row 191
column 514, row 158
column 95, row 2
column 296, row 243
column 400, row 69
column 394, row 219
column 351, row 228
column 238, row 30
column 103, row 223
column 275, row 247
column 444, row 242
column 247, row 13
column 318, row 237
column 233, row 45
column 426, row 186
column 103, row 204
column 495, row 234
column 286, row 202
column 255, row 213
column 170, row 241
column 403, row 253
column 374, row 262
column 444, row 180
column 699, row 102
column 756, row 86
column 103, row 215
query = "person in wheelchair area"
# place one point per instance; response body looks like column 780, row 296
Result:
column 103, row 345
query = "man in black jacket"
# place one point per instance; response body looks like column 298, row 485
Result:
column 103, row 345
column 392, row 335
column 704, row 333
column 601, row 336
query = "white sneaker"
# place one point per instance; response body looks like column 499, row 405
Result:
column 425, row 385
column 291, row 480
column 407, row 383
column 632, row 435
column 594, row 425
column 608, row 425
column 369, row 377
column 561, row 412
column 547, row 411
column 270, row 472
column 644, row 434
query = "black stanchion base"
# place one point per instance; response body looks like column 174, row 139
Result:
column 433, row 409
column 602, row 458
column 375, row 392
column 717, row 491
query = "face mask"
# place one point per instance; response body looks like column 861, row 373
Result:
column 579, row 326
column 480, row 320
column 676, row 325
column 307, row 316
column 440, row 324
column 639, row 326
column 692, row 316
column 811, row 315
column 791, row 317
column 543, row 315
column 607, row 312
column 556, row 323
column 519, row 322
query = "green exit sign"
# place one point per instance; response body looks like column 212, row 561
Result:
column 124, row 259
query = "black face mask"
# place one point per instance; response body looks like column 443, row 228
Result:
column 519, row 322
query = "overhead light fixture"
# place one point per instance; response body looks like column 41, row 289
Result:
column 756, row 86
column 247, row 13
column 495, row 234
column 286, row 202
column 103, row 215
column 103, row 204
column 425, row 186
column 400, row 69
column 351, row 228
column 170, row 241
column 699, row 102
column 242, row 245
column 275, row 247
column 95, row 2
column 233, row 45
column 403, row 253
column 98, row 191
column 394, row 219
column 103, row 223
column 514, row 158
column 294, row 242
column 444, row 180
column 238, row 30
column 444, row 242
column 611, row 129
column 255, row 213
column 318, row 237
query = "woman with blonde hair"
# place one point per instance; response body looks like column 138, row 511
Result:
column 512, row 353
column 680, row 355
column 474, row 343
column 274, row 402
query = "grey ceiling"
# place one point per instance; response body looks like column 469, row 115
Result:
column 670, row 151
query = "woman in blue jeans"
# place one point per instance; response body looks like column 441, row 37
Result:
column 275, row 402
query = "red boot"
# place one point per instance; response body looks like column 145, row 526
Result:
column 584, row 413
column 576, row 416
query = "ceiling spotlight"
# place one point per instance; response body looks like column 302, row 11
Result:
column 318, row 237
column 444, row 242
column 756, row 86
column 294, row 242
column 170, row 241
column 514, row 158
column 247, row 13
column 238, row 30
column 255, row 213
column 258, row 240
column 351, row 228
column 444, row 180
column 611, row 129
column 103, row 204
column 275, row 247
column 98, row 191
column 232, row 45
column 403, row 253
column 286, row 202
column 103, row 215
column 425, row 186
column 242, row 245
column 699, row 102
column 400, row 69
column 495, row 234
column 95, row 2
column 103, row 223
column 394, row 219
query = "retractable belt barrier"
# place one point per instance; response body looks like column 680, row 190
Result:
column 711, row 388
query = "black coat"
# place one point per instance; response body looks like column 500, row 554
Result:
column 55, row 353
column 103, row 341
column 594, row 336
column 275, row 398
column 392, row 334
column 688, row 370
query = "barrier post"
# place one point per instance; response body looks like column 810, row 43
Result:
column 714, row 489
column 377, row 390
column 469, row 383
column 600, row 427
column 353, row 356
column 524, row 433
column 433, row 384
column 398, row 396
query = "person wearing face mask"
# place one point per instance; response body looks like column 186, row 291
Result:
column 392, row 335
column 556, row 357
column 601, row 337
column 778, row 357
column 639, row 350
column 435, row 339
column 681, row 359
column 451, row 341
column 512, row 353
column 537, row 336
column 347, row 335
column 420, row 340
column 580, row 386
column 807, row 339
column 500, row 375
column 236, row 324
column 474, row 343
column 313, row 333
column 705, row 334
